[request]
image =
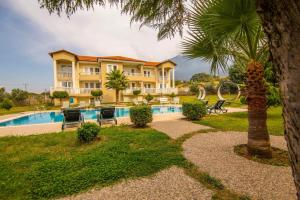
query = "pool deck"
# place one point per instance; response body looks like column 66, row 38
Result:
column 36, row 129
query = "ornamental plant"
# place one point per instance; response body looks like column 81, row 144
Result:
column 97, row 93
column 88, row 132
column 140, row 115
column 194, row 111
column 149, row 97
column 6, row 104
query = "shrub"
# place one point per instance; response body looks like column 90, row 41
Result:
column 96, row 93
column 149, row 97
column 243, row 100
column 140, row 115
column 88, row 132
column 6, row 104
column 194, row 111
column 136, row 92
column 194, row 88
column 273, row 96
column 60, row 95
column 172, row 95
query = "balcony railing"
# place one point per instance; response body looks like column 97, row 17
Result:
column 161, row 78
column 73, row 91
column 152, row 90
column 132, row 74
column 89, row 73
column 64, row 74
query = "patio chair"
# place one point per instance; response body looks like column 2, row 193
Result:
column 217, row 108
column 72, row 117
column 176, row 100
column 163, row 100
column 97, row 104
column 82, row 104
column 106, row 114
column 65, row 105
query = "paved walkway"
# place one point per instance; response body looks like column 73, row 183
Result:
column 168, row 184
column 177, row 128
column 213, row 153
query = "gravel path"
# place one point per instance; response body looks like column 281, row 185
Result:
column 171, row 184
column 213, row 153
column 177, row 128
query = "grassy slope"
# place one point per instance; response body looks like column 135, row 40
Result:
column 239, row 121
column 53, row 165
column 212, row 99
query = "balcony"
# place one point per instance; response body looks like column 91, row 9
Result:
column 161, row 78
column 64, row 75
column 132, row 74
column 74, row 91
column 152, row 90
column 89, row 76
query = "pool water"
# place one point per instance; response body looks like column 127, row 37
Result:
column 52, row 117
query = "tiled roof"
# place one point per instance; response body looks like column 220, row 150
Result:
column 119, row 58
column 151, row 63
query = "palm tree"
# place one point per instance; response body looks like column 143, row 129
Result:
column 118, row 81
column 223, row 30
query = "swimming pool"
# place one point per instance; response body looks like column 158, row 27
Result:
column 52, row 117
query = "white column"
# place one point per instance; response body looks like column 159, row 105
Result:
column 55, row 73
column 173, row 78
column 73, row 74
column 163, row 74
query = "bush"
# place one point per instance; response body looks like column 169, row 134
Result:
column 273, row 96
column 149, row 97
column 96, row 93
column 194, row 111
column 88, row 132
column 172, row 95
column 136, row 92
column 60, row 95
column 194, row 88
column 6, row 104
column 243, row 100
column 140, row 115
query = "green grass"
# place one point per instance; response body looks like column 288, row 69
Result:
column 18, row 109
column 212, row 99
column 239, row 121
column 53, row 165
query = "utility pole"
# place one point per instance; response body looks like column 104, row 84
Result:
column 25, row 86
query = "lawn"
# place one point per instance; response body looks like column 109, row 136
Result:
column 54, row 165
column 19, row 109
column 239, row 121
column 212, row 99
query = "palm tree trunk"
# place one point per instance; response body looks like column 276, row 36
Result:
column 281, row 21
column 258, row 137
column 117, row 96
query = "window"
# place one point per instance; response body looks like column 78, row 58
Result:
column 132, row 71
column 165, row 73
column 91, row 70
column 66, row 68
column 111, row 67
column 161, row 86
column 97, row 85
column 147, row 85
column 147, row 73
column 133, row 85
column 97, row 70
column 66, row 84
column 92, row 85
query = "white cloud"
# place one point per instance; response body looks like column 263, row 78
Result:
column 103, row 31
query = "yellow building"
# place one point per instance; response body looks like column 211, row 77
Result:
column 79, row 75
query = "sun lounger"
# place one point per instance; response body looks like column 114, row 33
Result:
column 97, row 104
column 72, row 117
column 217, row 108
column 65, row 105
column 163, row 100
column 106, row 114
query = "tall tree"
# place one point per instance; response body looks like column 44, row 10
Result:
column 281, row 22
column 231, row 29
column 118, row 81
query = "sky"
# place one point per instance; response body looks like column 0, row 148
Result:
column 28, row 33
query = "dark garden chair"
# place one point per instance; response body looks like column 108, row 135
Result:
column 106, row 114
column 72, row 117
column 217, row 108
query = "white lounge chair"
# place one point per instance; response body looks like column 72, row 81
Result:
column 176, row 100
column 163, row 100
column 65, row 105
column 82, row 104
column 97, row 104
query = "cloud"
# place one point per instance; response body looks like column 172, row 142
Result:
column 103, row 31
